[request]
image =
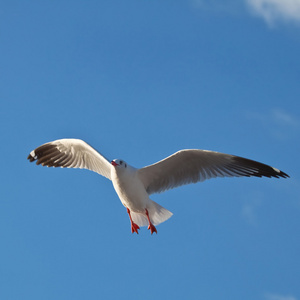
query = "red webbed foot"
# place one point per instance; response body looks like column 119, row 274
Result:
column 150, row 226
column 134, row 227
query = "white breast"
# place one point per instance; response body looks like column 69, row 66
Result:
column 130, row 188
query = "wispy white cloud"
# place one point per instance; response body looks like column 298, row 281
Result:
column 273, row 11
column 250, row 208
column 284, row 118
column 279, row 122
column 219, row 6
column 249, row 214
column 269, row 296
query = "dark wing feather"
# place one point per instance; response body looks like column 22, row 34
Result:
column 71, row 153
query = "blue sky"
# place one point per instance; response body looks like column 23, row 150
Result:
column 139, row 80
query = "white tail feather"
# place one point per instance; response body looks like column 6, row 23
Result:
column 157, row 214
column 139, row 219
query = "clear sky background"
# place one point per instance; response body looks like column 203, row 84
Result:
column 139, row 80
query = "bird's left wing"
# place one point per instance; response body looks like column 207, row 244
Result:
column 71, row 153
column 191, row 166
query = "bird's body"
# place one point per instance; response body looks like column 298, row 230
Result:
column 129, row 188
column 133, row 195
column 134, row 186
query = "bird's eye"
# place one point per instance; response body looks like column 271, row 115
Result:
column 121, row 162
column 125, row 166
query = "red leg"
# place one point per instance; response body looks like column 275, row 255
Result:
column 151, row 226
column 134, row 227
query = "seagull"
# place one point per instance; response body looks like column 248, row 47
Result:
column 134, row 186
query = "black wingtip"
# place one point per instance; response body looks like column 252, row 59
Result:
column 283, row 175
column 258, row 169
column 47, row 155
column 30, row 158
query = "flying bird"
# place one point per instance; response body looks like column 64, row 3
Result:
column 134, row 186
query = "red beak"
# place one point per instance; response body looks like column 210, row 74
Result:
column 114, row 163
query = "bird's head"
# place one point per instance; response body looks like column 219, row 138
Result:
column 119, row 163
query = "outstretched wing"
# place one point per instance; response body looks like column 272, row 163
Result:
column 191, row 166
column 71, row 153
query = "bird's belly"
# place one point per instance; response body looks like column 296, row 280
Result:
column 132, row 196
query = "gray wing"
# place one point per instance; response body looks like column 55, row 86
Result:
column 191, row 166
column 71, row 153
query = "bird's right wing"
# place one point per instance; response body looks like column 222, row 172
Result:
column 71, row 153
column 193, row 165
